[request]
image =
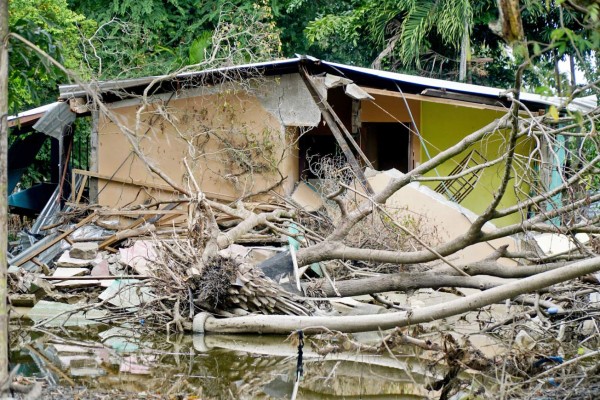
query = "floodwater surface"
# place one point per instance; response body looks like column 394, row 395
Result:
column 215, row 366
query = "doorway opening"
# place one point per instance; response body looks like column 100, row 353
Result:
column 388, row 145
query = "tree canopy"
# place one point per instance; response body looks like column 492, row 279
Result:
column 57, row 29
column 110, row 39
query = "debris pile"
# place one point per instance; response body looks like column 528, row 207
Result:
column 160, row 263
column 176, row 264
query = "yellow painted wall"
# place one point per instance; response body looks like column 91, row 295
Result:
column 168, row 133
column 443, row 125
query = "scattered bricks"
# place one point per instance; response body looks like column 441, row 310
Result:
column 84, row 250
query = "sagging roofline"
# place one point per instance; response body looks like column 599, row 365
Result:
column 117, row 90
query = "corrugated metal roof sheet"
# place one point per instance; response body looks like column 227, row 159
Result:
column 54, row 121
column 583, row 104
column 30, row 115
column 69, row 91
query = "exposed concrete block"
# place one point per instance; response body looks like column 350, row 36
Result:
column 84, row 250
column 289, row 100
column 63, row 314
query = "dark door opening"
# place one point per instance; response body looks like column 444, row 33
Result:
column 314, row 148
column 387, row 145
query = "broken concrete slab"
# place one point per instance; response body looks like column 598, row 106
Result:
column 100, row 269
column 252, row 255
column 78, row 283
column 133, row 365
column 84, row 250
column 123, row 340
column 332, row 81
column 74, row 283
column 69, row 272
column 67, row 261
column 357, row 93
column 63, row 314
column 126, row 293
column 554, row 243
column 105, row 283
column 307, row 197
column 89, row 372
column 139, row 256
column 68, row 298
column 448, row 220
column 22, row 300
column 78, row 361
column 71, row 349
column 40, row 287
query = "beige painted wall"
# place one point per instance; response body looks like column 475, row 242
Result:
column 441, row 219
column 233, row 143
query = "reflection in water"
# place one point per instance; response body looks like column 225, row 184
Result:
column 214, row 366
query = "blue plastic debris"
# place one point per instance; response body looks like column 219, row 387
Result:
column 553, row 382
column 544, row 360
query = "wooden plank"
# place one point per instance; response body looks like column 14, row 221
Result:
column 150, row 185
column 129, row 181
column 92, row 278
column 145, row 218
column 169, row 220
column 81, row 188
column 57, row 239
column 129, row 213
column 430, row 99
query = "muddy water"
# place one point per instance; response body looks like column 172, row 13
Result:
column 214, row 366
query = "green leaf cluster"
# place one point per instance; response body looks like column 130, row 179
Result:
column 55, row 28
column 155, row 37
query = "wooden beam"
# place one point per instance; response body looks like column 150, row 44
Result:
column 331, row 119
column 129, row 213
column 57, row 239
column 128, row 181
column 430, row 99
column 470, row 98
column 150, row 185
column 77, row 197
column 93, row 278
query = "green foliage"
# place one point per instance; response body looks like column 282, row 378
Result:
column 417, row 26
column 293, row 16
column 424, row 37
column 157, row 37
column 56, row 29
column 199, row 47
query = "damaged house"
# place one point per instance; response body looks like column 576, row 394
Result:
column 255, row 131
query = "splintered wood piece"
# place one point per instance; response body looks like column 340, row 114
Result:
column 57, row 239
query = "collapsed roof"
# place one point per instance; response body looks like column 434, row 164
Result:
column 119, row 89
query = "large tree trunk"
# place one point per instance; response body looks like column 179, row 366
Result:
column 3, row 187
column 284, row 324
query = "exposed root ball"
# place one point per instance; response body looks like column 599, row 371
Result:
column 229, row 287
column 215, row 281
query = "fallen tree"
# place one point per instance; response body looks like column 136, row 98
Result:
column 284, row 324
column 360, row 232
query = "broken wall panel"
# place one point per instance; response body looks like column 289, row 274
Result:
column 234, row 145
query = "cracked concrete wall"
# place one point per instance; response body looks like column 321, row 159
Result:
column 288, row 98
